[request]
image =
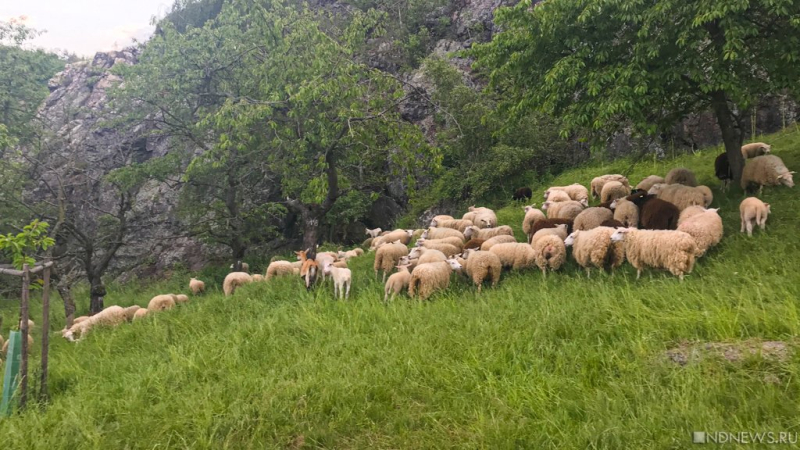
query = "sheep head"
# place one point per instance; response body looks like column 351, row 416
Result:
column 571, row 238
column 619, row 235
column 529, row 207
column 786, row 179
column 454, row 264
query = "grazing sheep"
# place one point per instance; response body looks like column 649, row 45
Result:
column 708, row 196
column 767, row 170
column 690, row 212
column 598, row 183
column 340, row 264
column 555, row 195
column 354, row 253
column 654, row 213
column 485, row 219
column 113, row 315
column 258, row 277
column 753, row 211
column 755, row 149
column 626, row 212
column 4, row 350
column 234, row 280
column 523, row 193
column 562, row 210
column 456, row 224
column 552, row 223
column 447, row 249
column 367, row 243
column 576, row 191
column 342, row 278
column 613, row 224
column 245, row 266
column 397, row 281
column 387, row 257
column 373, row 233
column 452, row 240
column 140, row 313
column 481, row 266
column 129, row 312
column 560, row 231
column 681, row 175
column 648, row 182
column 592, row 217
column 163, row 302
column 487, row 233
column 430, row 277
column 723, row 171
column 594, row 248
column 196, row 286
column 681, row 195
column 549, row 253
column 441, row 217
column 425, row 255
column 182, row 298
column 441, row 233
column 474, row 244
column 613, row 190
column 502, row 239
column 705, row 228
column 397, row 235
column 280, row 268
column 661, row 249
column 532, row 215
column 515, row 255
column 79, row 319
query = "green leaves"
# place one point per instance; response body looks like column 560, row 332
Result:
column 31, row 240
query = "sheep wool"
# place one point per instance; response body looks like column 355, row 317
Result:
column 397, row 282
column 162, row 302
column 440, row 233
column 649, row 181
column 129, row 312
column 681, row 175
column 452, row 240
column 598, row 183
column 660, row 249
column 626, row 213
column 767, row 170
column 576, row 191
column 708, row 196
column 232, row 281
column 431, row 277
column 425, row 255
column 397, row 235
column 387, row 257
column 278, row 269
column 140, row 313
column 552, row 223
column 183, row 298
column 753, row 211
column 485, row 218
column 258, row 277
column 613, row 190
column 594, row 248
column 550, row 253
column 690, row 212
column 372, row 233
column 474, row 244
column 196, row 286
column 680, row 195
column 79, row 319
column 523, row 193
column 456, row 224
column 517, row 256
column 111, row 316
column 559, row 230
column 755, row 149
column 488, row 233
column 30, row 343
column 342, row 279
column 502, row 239
column 532, row 215
column 563, row 210
column 705, row 228
column 441, row 217
column 654, row 213
column 556, row 195
column 481, row 266
column 592, row 217
column 245, row 267
column 473, row 212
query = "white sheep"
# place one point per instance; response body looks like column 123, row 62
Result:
column 387, row 257
column 690, row 212
column 342, row 278
column 440, row 233
column 164, row 302
column 626, row 212
column 281, row 268
column 558, row 230
column 452, row 240
column 562, row 210
column 594, row 248
column 549, row 253
column 661, row 249
column 481, row 266
column 681, row 175
column 375, row 232
column 196, row 286
column 397, row 281
column 140, row 313
column 441, row 217
column 474, row 232
column 502, row 239
column 396, row 235
column 592, row 217
column 598, row 183
column 680, row 195
column 517, row 256
column 354, row 253
column 456, row 224
column 232, row 281
column 767, row 170
column 755, row 149
column 648, row 182
column 576, row 191
column 429, row 277
column 532, row 215
column 556, row 195
column 113, row 315
column 425, row 255
column 613, row 190
column 705, row 228
column 753, row 211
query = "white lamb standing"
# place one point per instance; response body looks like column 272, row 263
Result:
column 341, row 280
column 753, row 211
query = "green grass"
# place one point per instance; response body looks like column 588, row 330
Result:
column 567, row 363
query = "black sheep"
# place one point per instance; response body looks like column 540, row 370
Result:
column 654, row 213
column 523, row 193
column 722, row 169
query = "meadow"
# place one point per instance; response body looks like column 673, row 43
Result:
column 566, row 362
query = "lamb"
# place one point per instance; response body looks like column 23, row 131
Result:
column 441, row 233
column 560, row 231
column 562, row 210
column 342, row 278
column 487, row 233
column 397, row 281
column 502, row 239
column 113, row 315
column 515, row 255
column 430, row 277
column 767, row 170
column 452, row 240
column 681, row 175
column 681, row 195
column 163, row 302
column 129, row 312
column 426, row 255
column 649, row 181
column 753, row 211
column 324, row 258
column 281, row 268
column 555, row 195
column 654, row 213
column 626, row 212
column 576, row 191
column 196, row 286
column 481, row 266
column 613, row 190
column 755, row 149
column 387, row 257
column 598, row 183
column 594, row 248
column 372, row 233
column 549, row 253
column 523, row 193
column 354, row 253
column 474, row 244
column 456, row 224
column 723, row 171
column 661, row 249
column 532, row 215
column 245, row 266
column 140, row 313
column 234, row 280
column 552, row 223
column 705, row 228
column 592, row 217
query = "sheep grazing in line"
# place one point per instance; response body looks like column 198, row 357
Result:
column 245, row 266
column 592, row 217
column 755, row 149
column 140, row 313
column 474, row 244
column 576, row 191
column 598, row 183
column 682, row 196
column 354, row 253
column 654, row 213
column 430, row 277
column 387, row 258
column 753, row 211
column 397, row 281
column 342, row 278
column 517, row 256
column 482, row 266
column 196, row 286
column 130, row 312
column 649, row 181
column 560, row 231
column 488, row 233
column 425, row 255
column 550, row 253
column 613, row 190
column 456, row 224
column 164, row 302
column 625, row 212
column 441, row 233
column 767, row 170
column 111, row 316
column 532, row 215
column 372, row 233
column 681, row 175
column 502, row 239
column 4, row 350
column 594, row 248
column 723, row 171
column 523, row 193
column 281, row 268
column 552, row 223
column 660, row 249
column 556, row 195
column 562, row 210
column 234, row 280
column 705, row 228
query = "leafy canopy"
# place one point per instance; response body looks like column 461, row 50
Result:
column 21, row 246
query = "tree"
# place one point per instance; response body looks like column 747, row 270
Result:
column 599, row 64
column 23, row 245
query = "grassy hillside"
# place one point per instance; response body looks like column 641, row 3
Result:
column 569, row 362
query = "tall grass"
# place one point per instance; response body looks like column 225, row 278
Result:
column 569, row 362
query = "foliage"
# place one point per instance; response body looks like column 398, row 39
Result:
column 23, row 245
column 186, row 14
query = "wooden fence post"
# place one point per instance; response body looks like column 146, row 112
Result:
column 45, row 331
column 23, row 327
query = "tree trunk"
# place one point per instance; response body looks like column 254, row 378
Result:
column 65, row 291
column 730, row 124
column 310, row 232
column 98, row 291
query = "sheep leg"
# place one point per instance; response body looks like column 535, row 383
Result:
column 384, row 277
column 760, row 190
column 479, row 287
column 741, row 217
column 347, row 293
column 588, row 272
column 750, row 228
column 638, row 273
